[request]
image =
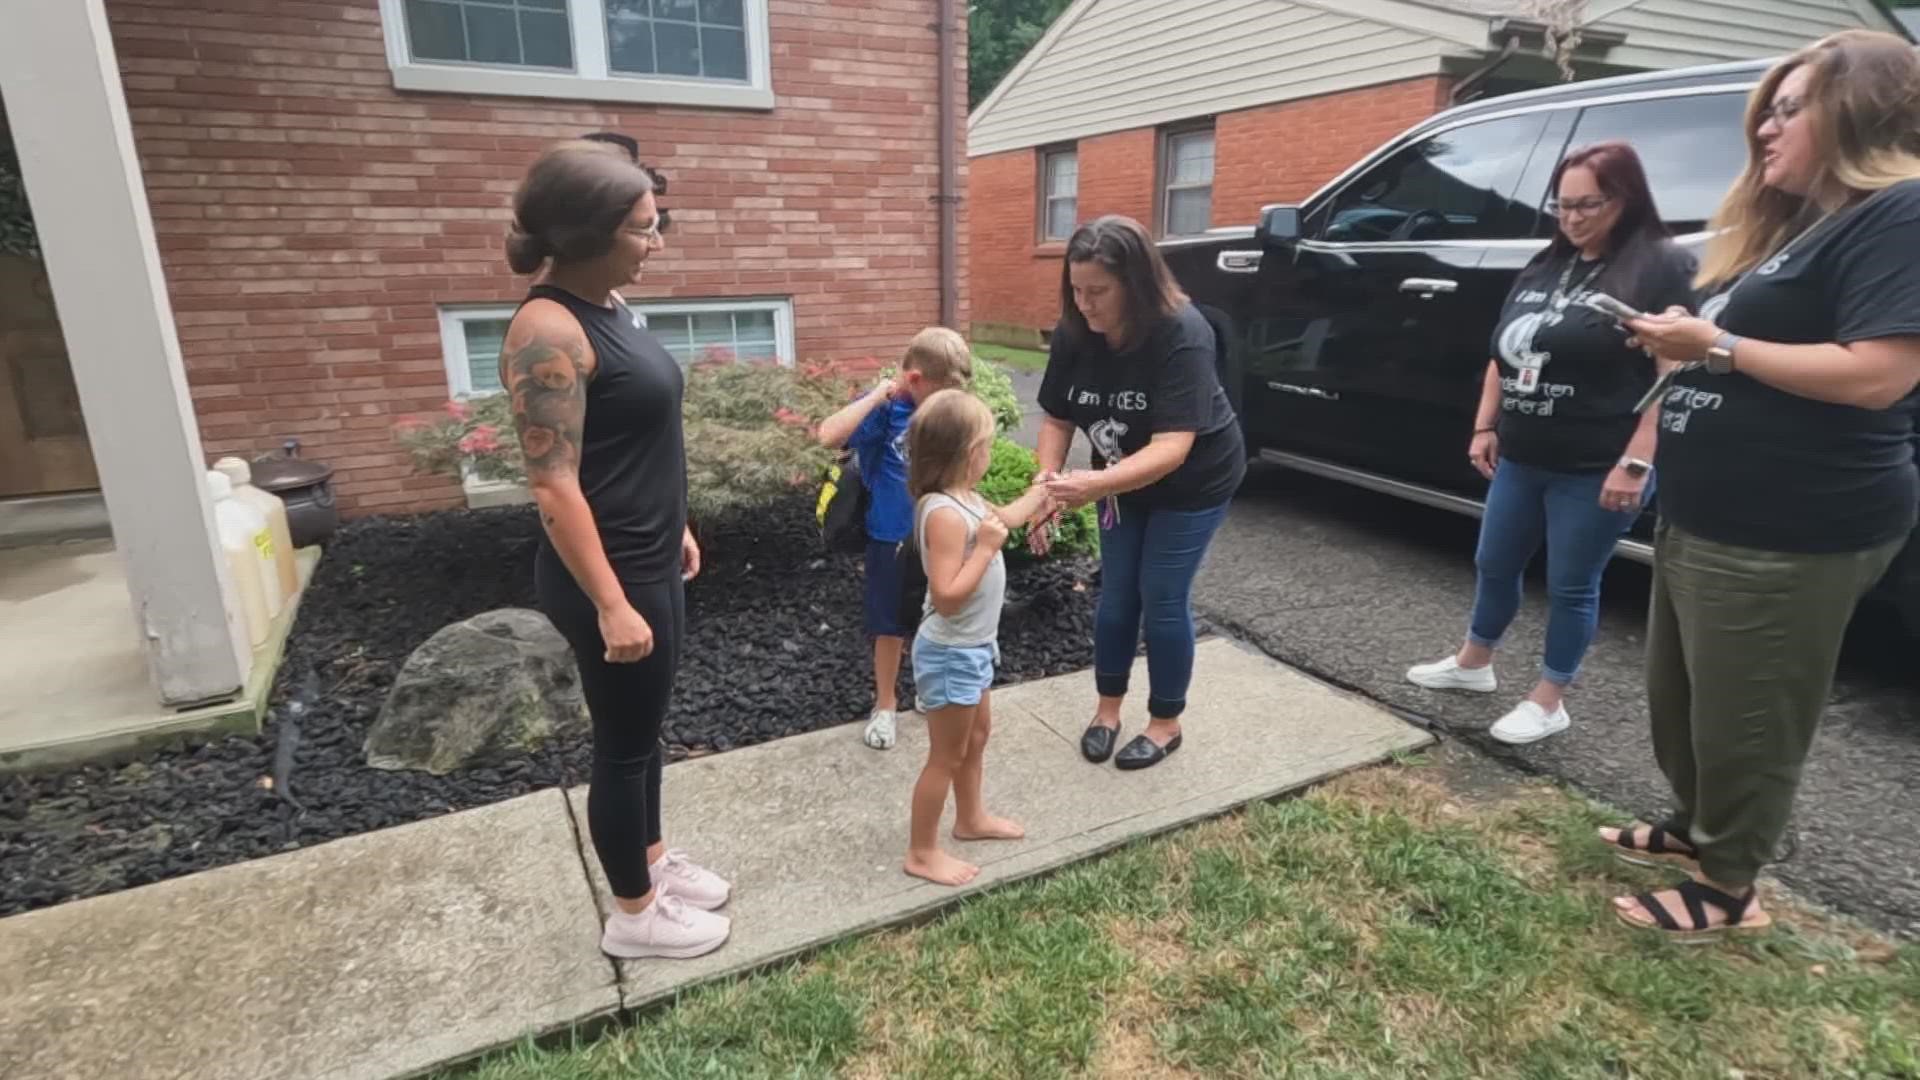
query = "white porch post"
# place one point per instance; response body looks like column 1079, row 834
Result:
column 60, row 84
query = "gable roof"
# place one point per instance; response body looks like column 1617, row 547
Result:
column 1114, row 65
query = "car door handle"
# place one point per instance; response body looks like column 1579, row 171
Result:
column 1428, row 288
column 1239, row 262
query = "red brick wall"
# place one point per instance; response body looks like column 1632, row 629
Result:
column 310, row 217
column 1284, row 153
column 1272, row 154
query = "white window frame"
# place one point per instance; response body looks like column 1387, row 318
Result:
column 781, row 307
column 1048, row 198
column 592, row 78
column 1167, row 187
column 453, row 343
column 453, row 338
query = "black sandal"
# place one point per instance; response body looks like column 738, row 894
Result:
column 1696, row 897
column 1665, row 847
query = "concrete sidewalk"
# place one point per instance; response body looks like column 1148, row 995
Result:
column 393, row 952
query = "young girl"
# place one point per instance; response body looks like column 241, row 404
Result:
column 950, row 443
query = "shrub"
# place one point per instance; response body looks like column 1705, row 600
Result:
column 471, row 437
column 748, row 431
column 1009, row 476
column 993, row 385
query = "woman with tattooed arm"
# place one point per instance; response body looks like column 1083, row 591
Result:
column 596, row 402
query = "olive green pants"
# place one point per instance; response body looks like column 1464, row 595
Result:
column 1741, row 650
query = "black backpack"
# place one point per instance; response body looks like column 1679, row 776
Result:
column 844, row 499
column 913, row 582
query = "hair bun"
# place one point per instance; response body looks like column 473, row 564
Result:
column 526, row 250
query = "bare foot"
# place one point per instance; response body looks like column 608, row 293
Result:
column 940, row 868
column 989, row 828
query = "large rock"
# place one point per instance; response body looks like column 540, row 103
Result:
column 479, row 692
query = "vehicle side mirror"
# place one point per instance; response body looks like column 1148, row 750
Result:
column 1279, row 226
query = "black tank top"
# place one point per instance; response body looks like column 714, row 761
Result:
column 633, row 455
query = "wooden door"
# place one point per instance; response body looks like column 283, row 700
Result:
column 43, row 438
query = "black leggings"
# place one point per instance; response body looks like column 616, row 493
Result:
column 628, row 703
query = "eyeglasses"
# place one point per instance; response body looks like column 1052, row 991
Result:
column 1580, row 208
column 1782, row 111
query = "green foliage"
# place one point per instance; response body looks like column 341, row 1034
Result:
column 999, row 33
column 17, row 234
column 993, row 385
column 469, row 437
column 748, row 432
column 1008, row 478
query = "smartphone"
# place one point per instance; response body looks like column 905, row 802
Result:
column 1607, row 305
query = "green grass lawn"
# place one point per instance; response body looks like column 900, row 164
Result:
column 1019, row 359
column 1383, row 926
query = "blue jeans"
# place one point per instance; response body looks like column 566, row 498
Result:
column 1526, row 506
column 1148, row 561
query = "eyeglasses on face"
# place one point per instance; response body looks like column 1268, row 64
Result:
column 1782, row 111
column 1579, row 208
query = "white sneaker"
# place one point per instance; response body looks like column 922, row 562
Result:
column 1449, row 675
column 1529, row 723
column 881, row 733
column 676, row 875
column 667, row 928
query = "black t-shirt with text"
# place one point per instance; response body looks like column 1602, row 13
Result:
column 1166, row 382
column 1568, row 381
column 1746, row 464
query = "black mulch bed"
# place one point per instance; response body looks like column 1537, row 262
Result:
column 777, row 649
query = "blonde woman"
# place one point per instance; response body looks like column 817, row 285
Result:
column 1786, row 460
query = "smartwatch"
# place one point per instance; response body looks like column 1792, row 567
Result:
column 1636, row 467
column 1720, row 356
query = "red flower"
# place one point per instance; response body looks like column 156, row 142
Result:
column 484, row 439
column 458, row 410
column 787, row 416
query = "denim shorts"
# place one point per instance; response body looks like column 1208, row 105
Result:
column 945, row 676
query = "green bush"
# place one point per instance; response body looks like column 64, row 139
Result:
column 1008, row 478
column 749, row 435
column 993, row 385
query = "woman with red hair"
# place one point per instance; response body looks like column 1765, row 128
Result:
column 1557, row 432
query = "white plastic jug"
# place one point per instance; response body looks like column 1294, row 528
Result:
column 241, row 529
column 271, row 507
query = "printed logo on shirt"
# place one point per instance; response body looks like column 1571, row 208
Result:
column 1714, row 308
column 1105, row 436
column 900, row 447
column 1774, row 265
column 1677, row 412
column 1518, row 353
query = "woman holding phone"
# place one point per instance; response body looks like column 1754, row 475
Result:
column 1787, row 447
column 1557, row 432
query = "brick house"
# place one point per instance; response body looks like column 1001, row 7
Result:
column 262, row 220
column 1192, row 114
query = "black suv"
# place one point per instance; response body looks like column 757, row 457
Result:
column 1362, row 318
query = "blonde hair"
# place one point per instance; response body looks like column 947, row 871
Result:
column 941, row 355
column 1863, row 100
column 941, row 439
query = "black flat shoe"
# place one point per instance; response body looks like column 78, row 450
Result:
column 1144, row 753
column 1097, row 744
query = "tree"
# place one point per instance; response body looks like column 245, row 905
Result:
column 999, row 33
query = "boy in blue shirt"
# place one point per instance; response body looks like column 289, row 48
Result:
column 874, row 427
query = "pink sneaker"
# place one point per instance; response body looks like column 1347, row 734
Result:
column 676, row 875
column 668, row 928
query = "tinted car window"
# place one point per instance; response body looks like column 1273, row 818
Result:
column 1457, row 185
column 1693, row 149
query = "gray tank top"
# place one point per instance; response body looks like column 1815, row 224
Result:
column 978, row 623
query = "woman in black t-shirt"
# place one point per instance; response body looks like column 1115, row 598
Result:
column 1786, row 458
column 1556, row 432
column 1133, row 365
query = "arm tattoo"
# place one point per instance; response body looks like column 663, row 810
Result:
column 548, row 381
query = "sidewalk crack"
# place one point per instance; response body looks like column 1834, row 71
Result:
column 581, row 853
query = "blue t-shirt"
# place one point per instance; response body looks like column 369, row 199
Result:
column 881, row 444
